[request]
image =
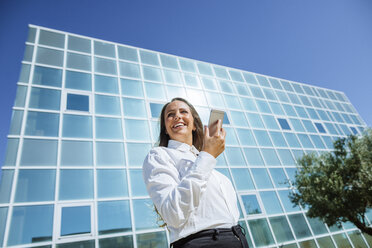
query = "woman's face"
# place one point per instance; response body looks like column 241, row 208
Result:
column 179, row 122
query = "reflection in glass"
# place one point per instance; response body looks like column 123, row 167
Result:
column 20, row 96
column 11, row 152
column 299, row 225
column 45, row 98
column 221, row 72
column 152, row 73
column 129, row 70
column 286, row 157
column 262, row 179
column 39, row 152
column 191, row 80
column 47, row 76
column 80, row 244
column 251, row 205
column 78, row 61
column 110, row 154
column 77, row 126
column 134, row 107
column 104, row 49
column 187, row 65
column 121, row 241
column 317, row 226
column 78, row 80
column 137, row 130
column 144, row 214
column 209, row 83
column 341, row 240
column 169, row 61
column 75, row 220
column 108, row 128
column 131, row 87
column 325, row 242
column 279, row 178
column 35, row 185
column 107, row 66
column 271, row 202
column 155, row 109
column 31, row 224
column 236, row 76
column 148, row 57
column 137, row 184
column 261, row 232
column 204, row 68
column 281, row 229
column 243, row 180
column 75, row 153
column 16, row 122
column 127, row 53
column 157, row 239
column 106, row 84
column 107, row 105
column 76, row 184
column 50, row 38
column 3, row 217
column 113, row 217
column 49, row 56
column 29, row 50
column 6, row 181
column 78, row 44
column 112, row 183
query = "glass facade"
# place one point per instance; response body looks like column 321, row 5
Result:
column 86, row 114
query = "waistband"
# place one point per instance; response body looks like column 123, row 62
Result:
column 236, row 230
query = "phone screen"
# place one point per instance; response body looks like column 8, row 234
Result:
column 213, row 118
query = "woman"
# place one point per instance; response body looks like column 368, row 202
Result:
column 197, row 203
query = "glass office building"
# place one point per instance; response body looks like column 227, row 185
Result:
column 86, row 114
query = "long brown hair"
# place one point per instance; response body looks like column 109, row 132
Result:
column 197, row 135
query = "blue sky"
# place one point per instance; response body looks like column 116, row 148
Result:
column 326, row 43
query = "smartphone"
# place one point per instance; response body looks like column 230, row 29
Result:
column 214, row 116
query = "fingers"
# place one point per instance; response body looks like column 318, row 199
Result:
column 219, row 126
column 206, row 131
column 223, row 133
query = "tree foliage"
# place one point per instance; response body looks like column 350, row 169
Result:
column 337, row 186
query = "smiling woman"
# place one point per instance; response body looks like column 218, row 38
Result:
column 188, row 193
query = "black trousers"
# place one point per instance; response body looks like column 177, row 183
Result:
column 214, row 238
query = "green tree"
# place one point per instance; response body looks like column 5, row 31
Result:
column 337, row 186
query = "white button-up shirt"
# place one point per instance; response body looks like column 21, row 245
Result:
column 189, row 194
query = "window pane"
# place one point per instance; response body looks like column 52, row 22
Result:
column 234, row 156
column 78, row 61
column 78, row 80
column 278, row 139
column 262, row 178
column 106, row 84
column 246, row 137
column 3, row 217
column 215, row 100
column 149, row 57
column 16, row 122
column 49, row 56
column 253, row 156
column 305, row 141
column 297, row 126
column 292, row 140
column 284, row 124
column 249, row 104
column 25, row 73
column 31, row 36
column 356, row 239
column 262, row 137
column 205, row 69
column 31, row 224
column 157, row 239
column 156, row 109
column 270, row 122
column 276, row 108
column 137, row 153
column 152, row 74
column 45, row 98
column 281, row 229
column 299, row 225
column 52, row 39
column 113, row 217
column 271, row 202
column 110, row 153
column 270, row 157
column 261, row 232
column 112, row 183
column 236, row 76
column 5, row 188
column 104, row 49
column 107, row 105
column 78, row 44
column 155, row 91
column 325, row 242
column 309, row 126
column 279, row 178
column 263, row 106
column 169, row 61
column 77, row 153
column 221, row 72
column 131, row 87
column 320, row 128
column 226, row 86
column 341, row 240
column 172, row 77
column 137, row 184
column 105, row 65
column 256, row 92
column 129, row 70
column 286, row 157
column 232, row 102
column 134, row 108
column 20, row 96
column 242, row 90
column 317, row 226
column 230, row 136
column 249, row 78
column 75, row 220
column 77, row 102
column 47, row 76
column 174, row 91
column 317, row 141
column 29, row 50
column 35, row 185
column 11, row 152
column 77, row 126
column 76, row 184
column 242, row 179
column 187, row 65
column 39, row 152
column 255, row 120
column 127, row 53
column 191, row 80
column 137, row 130
column 108, row 128
column 144, row 215
column 251, row 205
column 80, row 244
column 238, row 118
column 121, row 241
column 301, row 112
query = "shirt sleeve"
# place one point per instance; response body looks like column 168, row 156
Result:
column 176, row 198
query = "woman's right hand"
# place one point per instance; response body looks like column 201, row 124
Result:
column 214, row 144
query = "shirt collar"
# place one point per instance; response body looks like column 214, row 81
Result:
column 182, row 147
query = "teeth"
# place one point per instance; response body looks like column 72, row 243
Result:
column 179, row 124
